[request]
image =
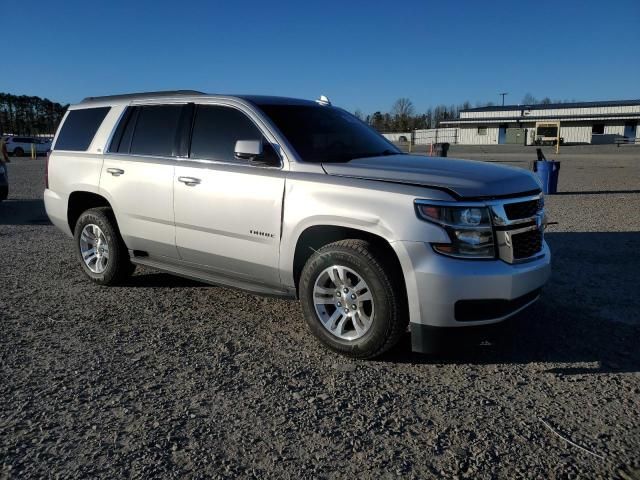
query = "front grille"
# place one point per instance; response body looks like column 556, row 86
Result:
column 526, row 244
column 528, row 209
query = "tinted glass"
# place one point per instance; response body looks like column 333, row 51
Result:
column 124, row 132
column 79, row 128
column 216, row 131
column 327, row 134
column 155, row 130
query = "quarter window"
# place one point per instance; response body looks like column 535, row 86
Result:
column 79, row 128
column 121, row 141
column 216, row 131
column 155, row 130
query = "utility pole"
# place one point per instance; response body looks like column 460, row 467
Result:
column 503, row 95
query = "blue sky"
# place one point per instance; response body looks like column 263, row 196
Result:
column 362, row 54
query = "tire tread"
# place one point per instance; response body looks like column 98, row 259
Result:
column 388, row 275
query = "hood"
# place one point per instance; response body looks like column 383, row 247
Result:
column 464, row 179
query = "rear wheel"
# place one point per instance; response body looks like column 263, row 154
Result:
column 4, row 192
column 18, row 152
column 101, row 250
column 350, row 301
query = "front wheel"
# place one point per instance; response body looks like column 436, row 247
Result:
column 351, row 300
column 102, row 252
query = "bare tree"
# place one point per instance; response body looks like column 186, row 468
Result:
column 358, row 114
column 529, row 99
column 403, row 107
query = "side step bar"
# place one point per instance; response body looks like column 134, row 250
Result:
column 211, row 278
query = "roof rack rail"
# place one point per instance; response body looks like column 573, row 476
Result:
column 165, row 93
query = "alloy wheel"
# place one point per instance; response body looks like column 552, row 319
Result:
column 94, row 248
column 343, row 302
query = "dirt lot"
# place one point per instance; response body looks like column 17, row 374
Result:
column 167, row 377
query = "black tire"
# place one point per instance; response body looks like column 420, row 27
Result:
column 391, row 318
column 4, row 192
column 18, row 152
column 118, row 266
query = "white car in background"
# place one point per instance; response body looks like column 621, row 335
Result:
column 20, row 146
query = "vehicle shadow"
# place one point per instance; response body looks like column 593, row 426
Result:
column 152, row 279
column 23, row 212
column 588, row 314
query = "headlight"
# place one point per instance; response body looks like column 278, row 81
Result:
column 469, row 229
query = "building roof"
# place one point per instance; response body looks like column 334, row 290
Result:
column 538, row 118
column 539, row 106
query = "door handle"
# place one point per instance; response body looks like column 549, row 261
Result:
column 189, row 181
column 116, row 172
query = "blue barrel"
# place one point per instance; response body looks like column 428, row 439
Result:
column 548, row 172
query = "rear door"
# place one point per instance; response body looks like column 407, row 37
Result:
column 137, row 177
column 227, row 211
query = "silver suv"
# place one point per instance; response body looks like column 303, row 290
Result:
column 298, row 199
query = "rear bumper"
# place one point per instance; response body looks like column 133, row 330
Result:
column 447, row 293
column 56, row 208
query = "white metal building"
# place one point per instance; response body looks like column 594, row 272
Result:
column 584, row 122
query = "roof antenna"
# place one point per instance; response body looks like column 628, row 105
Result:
column 323, row 100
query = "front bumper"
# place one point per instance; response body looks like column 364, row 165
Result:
column 450, row 293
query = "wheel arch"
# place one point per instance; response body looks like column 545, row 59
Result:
column 80, row 201
column 316, row 236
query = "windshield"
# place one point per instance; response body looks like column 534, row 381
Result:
column 327, row 134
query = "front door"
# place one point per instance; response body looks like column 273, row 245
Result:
column 630, row 130
column 227, row 212
column 502, row 134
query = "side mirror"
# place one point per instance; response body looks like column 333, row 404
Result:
column 247, row 149
column 256, row 153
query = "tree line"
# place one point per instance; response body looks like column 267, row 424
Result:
column 25, row 115
column 404, row 118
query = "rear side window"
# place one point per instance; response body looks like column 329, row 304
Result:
column 155, row 131
column 216, row 130
column 79, row 128
column 121, row 141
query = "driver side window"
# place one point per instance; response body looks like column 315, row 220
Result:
column 217, row 129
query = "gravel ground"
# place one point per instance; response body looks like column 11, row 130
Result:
column 168, row 378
